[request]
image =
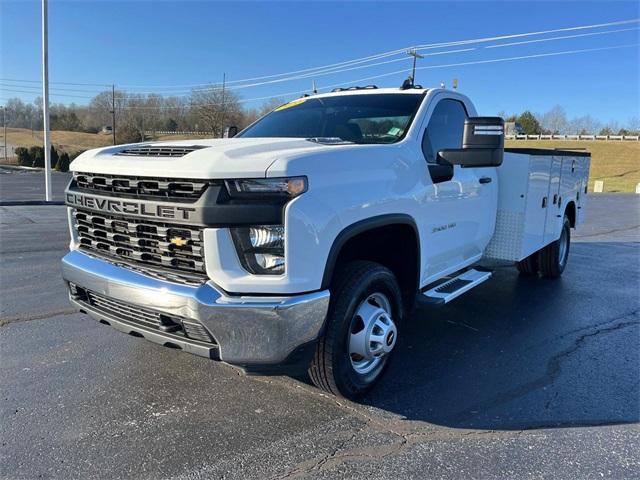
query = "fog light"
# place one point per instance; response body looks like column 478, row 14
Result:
column 269, row 262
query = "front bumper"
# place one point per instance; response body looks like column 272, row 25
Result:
column 249, row 330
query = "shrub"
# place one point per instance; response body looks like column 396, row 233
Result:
column 127, row 134
column 54, row 157
column 37, row 156
column 63, row 163
column 24, row 158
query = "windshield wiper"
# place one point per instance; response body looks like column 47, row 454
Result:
column 330, row 140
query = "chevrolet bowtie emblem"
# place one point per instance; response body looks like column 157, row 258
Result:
column 178, row 241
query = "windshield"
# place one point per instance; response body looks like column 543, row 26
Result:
column 372, row 118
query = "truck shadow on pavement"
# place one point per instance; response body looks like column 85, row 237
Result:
column 524, row 353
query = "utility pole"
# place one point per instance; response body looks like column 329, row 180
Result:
column 314, row 89
column 45, row 102
column 4, row 122
column 413, row 53
column 113, row 112
column 224, row 80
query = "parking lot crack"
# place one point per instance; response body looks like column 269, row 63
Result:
column 553, row 368
column 38, row 316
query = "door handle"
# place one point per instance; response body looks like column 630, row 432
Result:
column 484, row 180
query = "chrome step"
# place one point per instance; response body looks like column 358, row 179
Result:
column 456, row 286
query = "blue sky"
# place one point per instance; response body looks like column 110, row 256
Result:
column 151, row 44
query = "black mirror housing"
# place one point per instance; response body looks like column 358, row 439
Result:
column 482, row 144
column 231, row 132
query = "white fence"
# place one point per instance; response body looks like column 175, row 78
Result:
column 158, row 132
column 604, row 138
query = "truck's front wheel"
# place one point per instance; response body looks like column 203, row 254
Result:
column 361, row 331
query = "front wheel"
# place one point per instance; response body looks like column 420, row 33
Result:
column 553, row 258
column 361, row 331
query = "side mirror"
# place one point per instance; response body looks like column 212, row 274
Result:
column 231, row 132
column 482, row 144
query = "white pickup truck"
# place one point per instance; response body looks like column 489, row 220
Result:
column 305, row 240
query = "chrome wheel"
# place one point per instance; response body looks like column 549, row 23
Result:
column 372, row 335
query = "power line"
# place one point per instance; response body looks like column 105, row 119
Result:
column 564, row 37
column 56, row 83
column 449, row 65
column 396, row 72
column 402, row 50
column 333, row 71
column 497, row 60
column 364, row 62
column 37, row 93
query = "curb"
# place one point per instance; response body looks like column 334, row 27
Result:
column 16, row 203
column 20, row 167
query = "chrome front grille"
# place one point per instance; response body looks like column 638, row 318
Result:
column 155, row 248
column 160, row 151
column 141, row 187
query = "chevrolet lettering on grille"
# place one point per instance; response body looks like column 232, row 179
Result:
column 128, row 207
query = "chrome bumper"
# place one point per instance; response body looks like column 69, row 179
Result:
column 249, row 330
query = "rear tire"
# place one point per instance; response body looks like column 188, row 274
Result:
column 361, row 331
column 553, row 258
column 529, row 265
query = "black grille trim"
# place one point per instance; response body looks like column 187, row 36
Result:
column 144, row 317
column 143, row 243
column 160, row 151
column 141, row 187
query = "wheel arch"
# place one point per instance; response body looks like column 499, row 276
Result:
column 379, row 239
column 570, row 211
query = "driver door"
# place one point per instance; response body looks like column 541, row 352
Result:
column 460, row 204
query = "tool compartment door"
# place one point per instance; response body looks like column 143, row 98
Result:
column 583, row 174
column 552, row 224
column 535, row 219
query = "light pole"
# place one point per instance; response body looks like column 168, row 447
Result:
column 45, row 103
column 113, row 112
column 4, row 122
column 224, row 81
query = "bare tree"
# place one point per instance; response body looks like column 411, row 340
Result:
column 267, row 107
column 633, row 125
column 555, row 120
column 216, row 109
column 585, row 125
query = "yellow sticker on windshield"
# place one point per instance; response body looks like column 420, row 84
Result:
column 293, row 103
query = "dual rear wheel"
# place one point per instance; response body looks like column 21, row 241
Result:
column 552, row 259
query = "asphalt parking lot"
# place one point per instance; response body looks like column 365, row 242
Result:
column 21, row 185
column 520, row 378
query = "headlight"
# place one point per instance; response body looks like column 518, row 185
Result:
column 285, row 187
column 260, row 248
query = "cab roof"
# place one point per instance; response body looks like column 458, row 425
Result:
column 369, row 91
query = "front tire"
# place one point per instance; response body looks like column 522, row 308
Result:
column 553, row 258
column 362, row 329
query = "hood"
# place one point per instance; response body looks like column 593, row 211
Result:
column 216, row 158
